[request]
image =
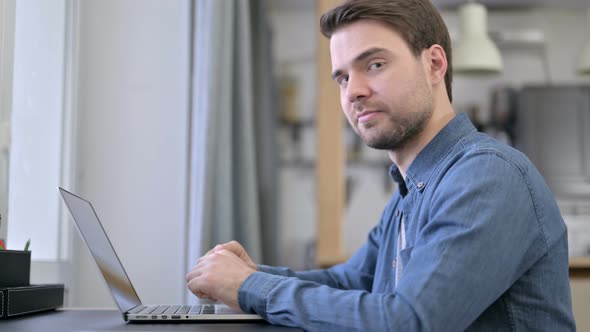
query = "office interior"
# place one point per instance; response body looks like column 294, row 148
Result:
column 106, row 98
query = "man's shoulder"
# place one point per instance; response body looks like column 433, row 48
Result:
column 479, row 160
column 482, row 147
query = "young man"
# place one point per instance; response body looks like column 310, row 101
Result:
column 472, row 240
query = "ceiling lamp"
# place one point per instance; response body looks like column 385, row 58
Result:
column 584, row 60
column 475, row 53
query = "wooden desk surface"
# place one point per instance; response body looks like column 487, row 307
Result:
column 111, row 320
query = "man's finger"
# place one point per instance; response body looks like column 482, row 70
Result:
column 194, row 273
column 204, row 296
column 196, row 288
column 233, row 246
column 227, row 253
column 214, row 249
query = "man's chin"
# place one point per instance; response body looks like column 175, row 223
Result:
column 378, row 143
column 380, row 146
column 388, row 143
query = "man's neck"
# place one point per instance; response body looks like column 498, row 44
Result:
column 404, row 156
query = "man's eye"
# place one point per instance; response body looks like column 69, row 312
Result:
column 342, row 80
column 376, row 65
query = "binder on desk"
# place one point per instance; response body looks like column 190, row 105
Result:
column 15, row 301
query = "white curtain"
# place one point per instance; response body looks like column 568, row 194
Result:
column 233, row 186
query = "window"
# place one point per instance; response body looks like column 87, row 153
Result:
column 37, row 124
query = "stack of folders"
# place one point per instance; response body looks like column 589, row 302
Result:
column 17, row 295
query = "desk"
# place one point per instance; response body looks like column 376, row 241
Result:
column 111, row 320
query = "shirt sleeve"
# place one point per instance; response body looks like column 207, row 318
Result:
column 356, row 273
column 481, row 235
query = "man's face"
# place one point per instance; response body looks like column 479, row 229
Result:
column 384, row 90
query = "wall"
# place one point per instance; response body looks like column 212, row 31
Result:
column 7, row 14
column 37, row 107
column 132, row 143
column 34, row 102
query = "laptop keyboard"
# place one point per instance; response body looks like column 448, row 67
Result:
column 198, row 309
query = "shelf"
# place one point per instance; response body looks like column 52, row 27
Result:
column 580, row 267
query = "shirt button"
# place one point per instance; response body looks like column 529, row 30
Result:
column 420, row 185
column 397, row 213
column 394, row 263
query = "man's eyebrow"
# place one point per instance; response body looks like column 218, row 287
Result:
column 359, row 58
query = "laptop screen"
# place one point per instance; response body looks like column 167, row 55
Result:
column 101, row 248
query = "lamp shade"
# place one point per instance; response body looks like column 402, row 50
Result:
column 475, row 53
column 584, row 59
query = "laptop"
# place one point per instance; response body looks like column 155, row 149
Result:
column 121, row 288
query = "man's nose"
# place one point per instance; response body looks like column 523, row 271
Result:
column 357, row 88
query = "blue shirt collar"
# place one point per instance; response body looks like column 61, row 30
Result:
column 421, row 169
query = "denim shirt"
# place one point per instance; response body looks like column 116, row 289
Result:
column 486, row 250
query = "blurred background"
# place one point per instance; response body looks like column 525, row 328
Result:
column 190, row 123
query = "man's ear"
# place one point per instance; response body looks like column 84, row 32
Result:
column 436, row 63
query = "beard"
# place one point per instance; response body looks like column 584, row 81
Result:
column 395, row 131
column 400, row 131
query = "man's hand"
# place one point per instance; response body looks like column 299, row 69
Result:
column 232, row 246
column 218, row 276
column 236, row 248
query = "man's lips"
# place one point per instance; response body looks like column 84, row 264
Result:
column 366, row 116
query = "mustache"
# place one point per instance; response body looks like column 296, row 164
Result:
column 360, row 105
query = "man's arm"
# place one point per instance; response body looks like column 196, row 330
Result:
column 356, row 273
column 475, row 246
column 219, row 273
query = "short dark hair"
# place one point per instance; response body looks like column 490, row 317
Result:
column 417, row 21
